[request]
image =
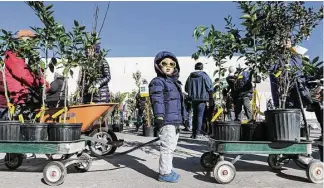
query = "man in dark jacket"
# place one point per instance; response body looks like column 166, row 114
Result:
column 56, row 94
column 140, row 106
column 242, row 93
column 199, row 88
column 169, row 110
column 102, row 96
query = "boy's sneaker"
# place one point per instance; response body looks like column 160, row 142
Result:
column 201, row 137
column 193, row 136
column 173, row 177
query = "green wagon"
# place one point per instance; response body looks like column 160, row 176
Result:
column 54, row 172
column 280, row 153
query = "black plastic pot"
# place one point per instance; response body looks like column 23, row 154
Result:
column 283, row 125
column 10, row 130
column 253, row 131
column 34, row 131
column 64, row 132
column 148, row 131
column 226, row 130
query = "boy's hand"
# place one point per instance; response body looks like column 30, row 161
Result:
column 158, row 122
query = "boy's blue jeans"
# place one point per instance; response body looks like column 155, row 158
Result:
column 168, row 143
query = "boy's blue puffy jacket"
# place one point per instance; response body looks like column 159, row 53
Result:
column 198, row 86
column 166, row 95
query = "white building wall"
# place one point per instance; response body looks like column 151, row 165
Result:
column 122, row 69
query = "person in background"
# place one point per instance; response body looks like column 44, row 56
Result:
column 188, row 124
column 140, row 106
column 24, row 86
column 168, row 109
column 102, row 96
column 242, row 93
column 208, row 115
column 56, row 93
column 229, row 104
column 230, row 93
column 292, row 100
column 199, row 88
column 317, row 97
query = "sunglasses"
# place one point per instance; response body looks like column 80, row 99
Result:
column 166, row 64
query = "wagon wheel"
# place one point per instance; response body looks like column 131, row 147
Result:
column 208, row 160
column 99, row 149
column 13, row 160
column 274, row 162
column 54, row 173
column 314, row 171
column 224, row 172
column 84, row 166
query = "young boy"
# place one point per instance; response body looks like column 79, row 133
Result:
column 169, row 112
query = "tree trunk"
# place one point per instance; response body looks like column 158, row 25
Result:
column 6, row 89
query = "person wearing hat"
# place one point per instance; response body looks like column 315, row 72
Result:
column 56, row 93
column 101, row 83
column 23, row 85
column 168, row 109
column 199, row 88
column 140, row 106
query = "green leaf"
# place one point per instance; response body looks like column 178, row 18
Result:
column 51, row 67
column 76, row 23
column 215, row 72
column 246, row 16
column 4, row 32
column 71, row 73
column 65, row 71
column 319, row 64
column 42, row 65
column 254, row 17
column 82, row 28
column 53, row 61
column 315, row 60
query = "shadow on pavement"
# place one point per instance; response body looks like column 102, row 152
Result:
column 134, row 163
column 292, row 177
column 29, row 165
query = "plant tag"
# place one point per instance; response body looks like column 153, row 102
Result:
column 219, row 111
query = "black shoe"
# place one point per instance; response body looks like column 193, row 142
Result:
column 193, row 136
column 186, row 129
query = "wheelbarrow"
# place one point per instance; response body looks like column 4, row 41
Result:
column 95, row 123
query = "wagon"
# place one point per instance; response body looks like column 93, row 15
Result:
column 280, row 153
column 96, row 123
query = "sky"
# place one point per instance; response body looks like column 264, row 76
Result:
column 142, row 29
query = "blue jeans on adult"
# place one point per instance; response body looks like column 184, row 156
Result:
column 198, row 108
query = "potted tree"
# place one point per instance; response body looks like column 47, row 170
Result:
column 219, row 46
column 271, row 48
column 7, row 125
